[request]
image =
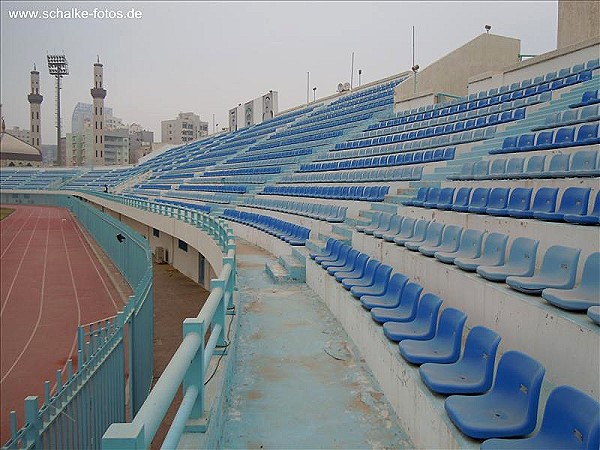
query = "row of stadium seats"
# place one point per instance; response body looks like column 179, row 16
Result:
column 296, row 140
column 480, row 405
column 589, row 113
column 587, row 98
column 292, row 234
column 451, row 244
column 319, row 211
column 195, row 206
column 514, row 202
column 229, row 188
column 583, row 163
column 364, row 193
column 587, row 134
column 321, row 125
column 273, row 155
column 248, row 171
column 419, row 157
column 412, row 173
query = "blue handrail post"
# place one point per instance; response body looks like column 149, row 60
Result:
column 33, row 419
column 124, row 436
column 219, row 315
column 195, row 377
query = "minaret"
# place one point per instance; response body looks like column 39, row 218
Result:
column 98, row 93
column 35, row 106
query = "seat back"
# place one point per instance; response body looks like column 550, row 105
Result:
column 523, row 252
column 596, row 209
column 514, row 166
column 421, row 227
column 446, row 196
column 410, row 298
column 451, row 237
column 560, row 264
column 422, row 193
column 451, row 324
column 520, row 198
column 536, row 164
column 462, row 196
column 590, row 281
column 584, row 160
column 480, row 197
column 572, row 416
column 428, row 310
column 470, row 241
column 498, row 198
column 433, row 196
column 498, row 167
column 575, row 201
column 434, row 233
column 480, row 350
column 559, row 163
column 408, row 226
column 382, row 275
column 396, row 284
column 519, row 380
column 587, row 132
column 481, row 168
column 545, row 200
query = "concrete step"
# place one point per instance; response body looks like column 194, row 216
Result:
column 295, row 267
column 339, row 237
column 315, row 245
column 385, row 207
column 397, row 199
column 343, row 230
column 277, row 272
column 301, row 253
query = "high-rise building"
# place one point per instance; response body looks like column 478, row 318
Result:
column 140, row 142
column 35, row 103
column 83, row 112
column 98, row 94
column 187, row 127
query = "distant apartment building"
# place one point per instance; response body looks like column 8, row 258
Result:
column 140, row 142
column 19, row 133
column 187, row 127
column 83, row 113
column 80, row 147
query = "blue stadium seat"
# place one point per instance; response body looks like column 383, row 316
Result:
column 544, row 201
column 335, row 260
column 509, row 409
column 544, row 140
column 384, row 222
column 583, row 296
column 587, row 134
column 432, row 198
column 390, row 298
column 422, row 327
column 444, row 347
column 377, row 287
column 433, row 236
column 521, row 261
column 375, row 219
column 593, row 218
column 558, row 270
column 461, row 202
column 571, row 420
column 492, row 255
column 594, row 314
column 497, row 169
column 590, row 113
column 406, row 309
column 519, row 200
column 367, row 277
column 327, row 251
column 357, row 270
column 466, row 172
column 420, row 198
column 514, row 168
column 559, row 165
column 583, row 164
column 449, row 242
column 481, row 169
column 473, row 373
column 409, row 232
column 445, row 198
column 497, row 201
column 479, row 200
column 469, row 247
column 343, row 265
column 574, row 201
column 393, row 229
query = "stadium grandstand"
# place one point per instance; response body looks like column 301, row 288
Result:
column 388, row 268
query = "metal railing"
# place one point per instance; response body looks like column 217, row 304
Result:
column 204, row 337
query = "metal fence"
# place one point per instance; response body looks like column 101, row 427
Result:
column 91, row 396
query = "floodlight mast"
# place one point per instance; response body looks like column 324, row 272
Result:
column 58, row 68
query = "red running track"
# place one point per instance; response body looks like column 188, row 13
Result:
column 50, row 282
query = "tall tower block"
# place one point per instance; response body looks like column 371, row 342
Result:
column 98, row 93
column 35, row 106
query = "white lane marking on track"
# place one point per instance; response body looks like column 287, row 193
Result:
column 17, row 234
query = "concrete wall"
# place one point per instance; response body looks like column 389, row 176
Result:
column 487, row 52
column 577, row 21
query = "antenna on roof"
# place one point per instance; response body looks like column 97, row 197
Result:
column 98, row 58
column 34, row 69
column 413, row 45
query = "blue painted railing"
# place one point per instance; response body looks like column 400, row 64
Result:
column 91, row 396
column 204, row 337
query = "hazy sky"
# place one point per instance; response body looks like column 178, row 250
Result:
column 207, row 57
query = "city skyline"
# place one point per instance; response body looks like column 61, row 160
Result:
column 173, row 60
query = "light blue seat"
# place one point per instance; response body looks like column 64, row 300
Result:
column 449, row 243
column 327, row 251
column 574, row 201
column 390, row 297
column 473, row 373
column 521, row 261
column 433, row 236
column 422, row 327
column 416, row 231
column 534, row 168
column 383, row 222
column 558, row 270
column 593, row 218
column 385, row 227
column 344, row 265
column 583, row 296
column 593, row 313
column 492, row 255
column 469, row 247
column 497, row 169
column 509, row 409
column 583, row 164
column 571, row 421
column 393, row 230
column 366, row 278
column 378, row 286
column 444, row 347
column 338, row 260
column 375, row 219
column 405, row 311
column 559, row 165
column 519, row 200
column 332, row 256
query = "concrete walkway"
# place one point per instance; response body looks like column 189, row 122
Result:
column 298, row 380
